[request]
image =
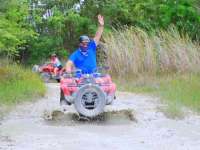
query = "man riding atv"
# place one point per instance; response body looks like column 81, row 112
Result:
column 84, row 59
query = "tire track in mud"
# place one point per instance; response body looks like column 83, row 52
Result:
column 26, row 129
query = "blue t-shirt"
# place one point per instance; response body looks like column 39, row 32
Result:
column 87, row 63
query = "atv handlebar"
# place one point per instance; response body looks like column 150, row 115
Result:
column 77, row 73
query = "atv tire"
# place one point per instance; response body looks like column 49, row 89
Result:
column 90, row 100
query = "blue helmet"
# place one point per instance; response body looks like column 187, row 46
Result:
column 84, row 38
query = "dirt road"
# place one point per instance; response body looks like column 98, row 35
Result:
column 26, row 129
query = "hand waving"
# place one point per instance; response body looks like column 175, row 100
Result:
column 101, row 20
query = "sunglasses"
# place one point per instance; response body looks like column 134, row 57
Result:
column 84, row 43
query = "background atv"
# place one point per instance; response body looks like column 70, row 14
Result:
column 46, row 72
column 88, row 92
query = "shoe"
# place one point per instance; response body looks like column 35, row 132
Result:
column 68, row 103
column 64, row 102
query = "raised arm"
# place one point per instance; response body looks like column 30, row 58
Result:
column 99, row 29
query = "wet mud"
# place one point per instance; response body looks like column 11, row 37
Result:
column 114, row 117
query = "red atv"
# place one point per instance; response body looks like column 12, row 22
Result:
column 88, row 92
column 47, row 72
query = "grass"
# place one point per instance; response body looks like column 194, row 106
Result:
column 18, row 84
column 183, row 89
column 176, row 90
column 138, row 53
column 166, row 64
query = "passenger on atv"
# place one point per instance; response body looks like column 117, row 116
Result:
column 84, row 59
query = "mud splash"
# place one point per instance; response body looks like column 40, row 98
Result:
column 58, row 117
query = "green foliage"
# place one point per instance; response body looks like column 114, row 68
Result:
column 33, row 29
column 59, row 33
column 14, row 30
column 42, row 48
column 147, row 14
column 115, row 11
column 77, row 25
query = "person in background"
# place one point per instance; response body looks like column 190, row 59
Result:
column 56, row 64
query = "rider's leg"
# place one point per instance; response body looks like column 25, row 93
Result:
column 68, row 85
column 109, row 87
column 69, row 89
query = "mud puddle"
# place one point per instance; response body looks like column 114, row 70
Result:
column 120, row 117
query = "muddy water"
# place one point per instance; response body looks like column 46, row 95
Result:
column 29, row 128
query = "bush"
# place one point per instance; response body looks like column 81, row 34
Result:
column 18, row 84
